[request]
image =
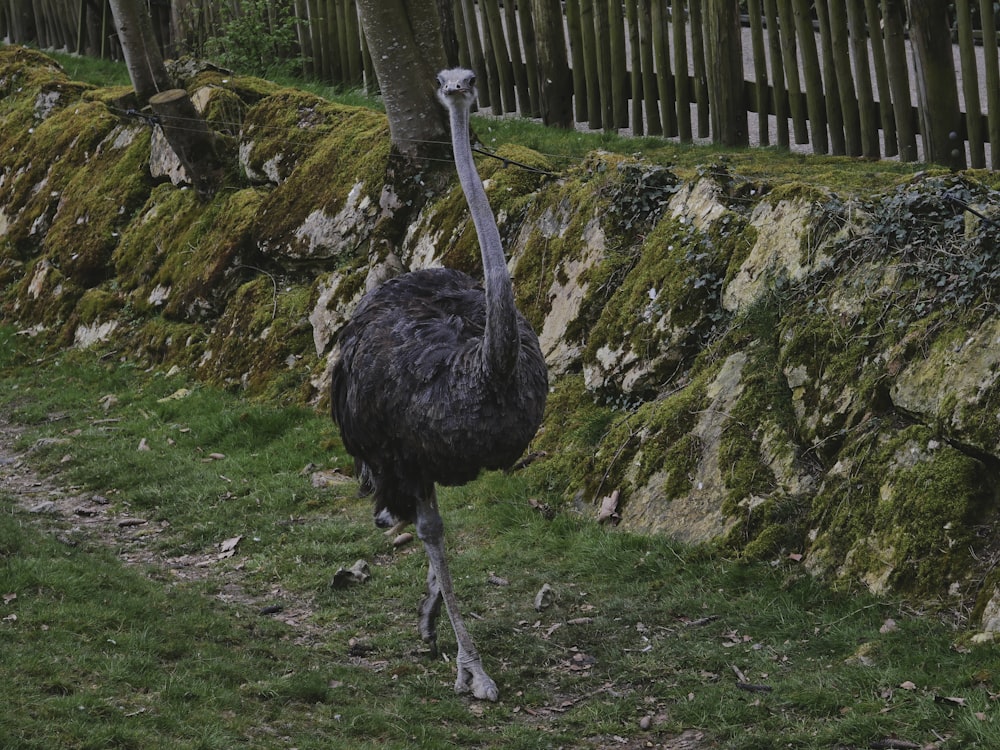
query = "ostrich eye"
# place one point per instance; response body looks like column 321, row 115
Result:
column 472, row 80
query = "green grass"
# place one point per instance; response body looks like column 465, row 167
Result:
column 92, row 70
column 97, row 653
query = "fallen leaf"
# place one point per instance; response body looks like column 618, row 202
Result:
column 908, row 685
column 143, row 445
column 8, row 598
column 548, row 633
column 795, row 557
column 889, row 626
column 229, row 545
column 609, row 508
column 949, row 699
column 175, row 396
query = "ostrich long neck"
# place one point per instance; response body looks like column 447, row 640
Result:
column 500, row 342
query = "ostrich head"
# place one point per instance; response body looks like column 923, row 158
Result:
column 457, row 86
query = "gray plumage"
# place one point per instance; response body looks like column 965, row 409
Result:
column 440, row 377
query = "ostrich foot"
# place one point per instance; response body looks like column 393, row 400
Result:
column 473, row 678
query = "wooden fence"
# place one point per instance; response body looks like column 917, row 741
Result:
column 830, row 76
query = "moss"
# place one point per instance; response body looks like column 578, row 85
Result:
column 188, row 250
column 44, row 296
column 510, row 183
column 570, row 448
column 740, row 250
column 97, row 304
column 158, row 341
column 559, row 217
column 90, row 217
column 901, row 513
column 666, row 306
column 328, row 179
column 36, row 185
column 767, row 544
column 654, row 439
column 258, row 340
column 797, row 192
column 764, row 404
column 937, row 501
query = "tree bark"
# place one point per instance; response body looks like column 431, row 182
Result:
column 724, row 68
column 404, row 37
column 937, row 92
column 556, row 82
column 142, row 55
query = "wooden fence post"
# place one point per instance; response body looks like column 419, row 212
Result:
column 970, row 85
column 867, row 115
column 760, row 71
column 774, row 43
column 992, row 79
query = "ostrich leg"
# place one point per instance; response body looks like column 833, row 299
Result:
column 471, row 675
column 430, row 608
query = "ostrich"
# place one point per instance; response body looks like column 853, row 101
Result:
column 438, row 378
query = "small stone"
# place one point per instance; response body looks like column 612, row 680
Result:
column 357, row 573
column 45, row 506
column 645, row 723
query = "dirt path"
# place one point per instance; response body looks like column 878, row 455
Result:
column 78, row 518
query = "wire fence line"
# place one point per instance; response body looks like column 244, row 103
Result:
column 825, row 76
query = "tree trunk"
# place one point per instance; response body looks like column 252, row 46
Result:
column 724, row 68
column 556, row 83
column 404, row 37
column 190, row 138
column 937, row 91
column 449, row 33
column 142, row 55
column 186, row 132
